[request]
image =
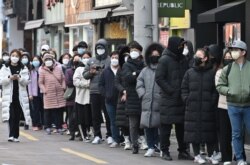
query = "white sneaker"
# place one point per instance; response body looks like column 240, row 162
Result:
column 127, row 143
column 110, row 140
column 150, row 152
column 16, row 140
column 242, row 162
column 199, row 159
column 212, row 160
column 143, row 143
column 227, row 163
column 217, row 156
column 11, row 139
column 114, row 145
column 97, row 140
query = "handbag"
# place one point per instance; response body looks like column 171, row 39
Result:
column 70, row 93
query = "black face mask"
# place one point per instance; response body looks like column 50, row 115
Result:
column 227, row 61
column 197, row 60
column 154, row 59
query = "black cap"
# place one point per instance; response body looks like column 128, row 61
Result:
column 82, row 44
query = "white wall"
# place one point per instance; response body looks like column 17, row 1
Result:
column 15, row 36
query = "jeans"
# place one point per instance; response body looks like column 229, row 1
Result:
column 37, row 111
column 152, row 137
column 111, row 109
column 239, row 116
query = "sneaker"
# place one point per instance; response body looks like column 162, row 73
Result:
column 212, row 160
column 35, row 128
column 135, row 149
column 199, row 159
column 127, row 143
column 87, row 139
column 59, row 131
column 68, row 132
column 97, row 140
column 150, row 152
column 227, row 163
column 10, row 139
column 166, row 156
column 110, row 140
column 242, row 162
column 185, row 156
column 26, row 127
column 48, row 131
column 217, row 156
column 16, row 140
column 114, row 145
column 143, row 143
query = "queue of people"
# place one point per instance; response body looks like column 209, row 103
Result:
column 204, row 95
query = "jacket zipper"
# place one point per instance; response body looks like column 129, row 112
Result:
column 151, row 110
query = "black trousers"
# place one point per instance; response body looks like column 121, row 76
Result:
column 55, row 115
column 37, row 111
column 15, row 113
column 72, row 119
column 225, row 135
column 97, row 105
column 165, row 132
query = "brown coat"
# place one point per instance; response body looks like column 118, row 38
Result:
column 52, row 84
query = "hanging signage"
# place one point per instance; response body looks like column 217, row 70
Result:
column 173, row 8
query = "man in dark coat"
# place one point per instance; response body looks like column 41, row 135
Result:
column 169, row 74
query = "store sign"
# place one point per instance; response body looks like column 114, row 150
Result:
column 173, row 8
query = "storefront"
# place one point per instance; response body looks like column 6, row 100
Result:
column 79, row 30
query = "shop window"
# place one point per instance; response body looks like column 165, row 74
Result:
column 232, row 32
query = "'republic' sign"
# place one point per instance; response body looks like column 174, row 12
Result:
column 173, row 8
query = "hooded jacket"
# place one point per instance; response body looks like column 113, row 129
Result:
column 199, row 93
column 190, row 55
column 149, row 91
column 169, row 74
column 102, row 61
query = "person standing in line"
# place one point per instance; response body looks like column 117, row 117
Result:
column 108, row 90
column 92, row 72
column 149, row 93
column 5, row 58
column 224, row 121
column 121, row 118
column 235, row 86
column 169, row 74
column 82, row 48
column 35, row 95
column 14, row 78
column 82, row 99
column 199, row 93
column 131, row 70
column 52, row 84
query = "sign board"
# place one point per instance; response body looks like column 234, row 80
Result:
column 173, row 8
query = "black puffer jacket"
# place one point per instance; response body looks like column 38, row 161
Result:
column 121, row 117
column 131, row 69
column 169, row 75
column 199, row 92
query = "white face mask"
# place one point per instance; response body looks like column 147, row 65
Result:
column 235, row 54
column 6, row 58
column 134, row 54
column 48, row 63
column 14, row 59
column 114, row 62
column 100, row 51
column 65, row 61
column 25, row 61
column 185, row 51
column 85, row 61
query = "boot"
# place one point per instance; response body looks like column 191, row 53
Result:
column 143, row 143
column 127, row 143
column 135, row 149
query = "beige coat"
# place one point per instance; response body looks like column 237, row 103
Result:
column 82, row 87
column 52, row 83
column 222, row 99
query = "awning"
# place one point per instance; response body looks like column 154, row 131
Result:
column 33, row 24
column 121, row 10
column 94, row 14
column 231, row 12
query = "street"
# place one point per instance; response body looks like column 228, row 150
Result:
column 37, row 148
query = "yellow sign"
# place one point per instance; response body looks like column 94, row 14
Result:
column 180, row 23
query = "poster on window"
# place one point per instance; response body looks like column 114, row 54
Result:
column 232, row 32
